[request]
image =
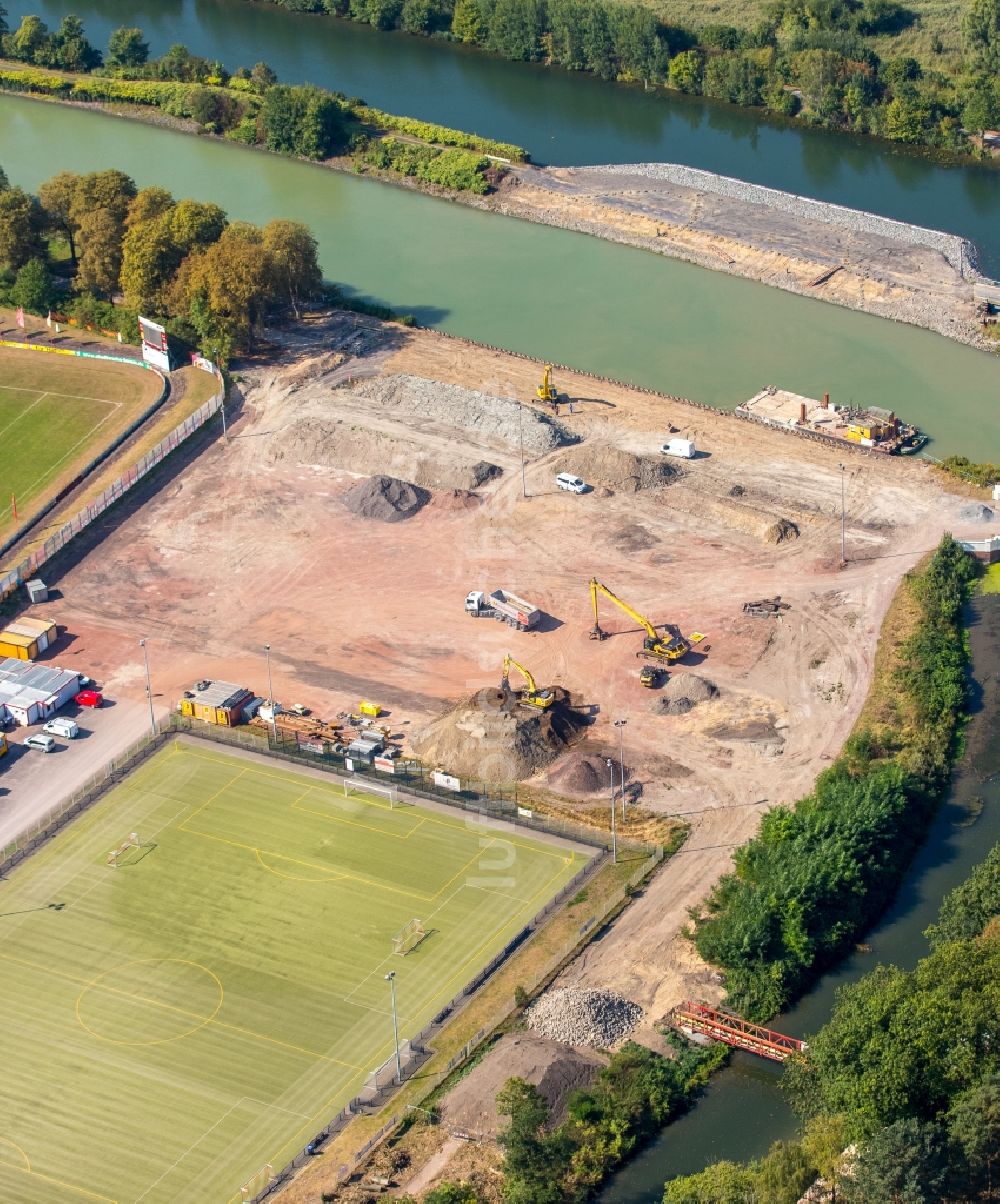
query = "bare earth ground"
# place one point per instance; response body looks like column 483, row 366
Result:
column 875, row 274
column 249, row 545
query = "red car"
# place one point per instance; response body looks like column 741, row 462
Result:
column 89, row 698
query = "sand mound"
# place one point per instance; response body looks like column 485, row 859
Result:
column 682, row 693
column 491, row 738
column 602, row 464
column 556, row 1070
column 584, row 773
column 332, row 442
column 498, row 419
column 385, row 498
column 976, row 513
column 456, row 501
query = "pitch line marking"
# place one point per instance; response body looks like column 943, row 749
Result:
column 80, row 1191
column 40, row 397
column 326, row 875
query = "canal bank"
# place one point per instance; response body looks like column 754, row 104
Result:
column 548, row 293
column 744, row 1111
column 562, row 118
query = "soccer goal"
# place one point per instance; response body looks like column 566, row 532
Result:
column 408, row 937
column 356, row 787
column 256, row 1183
column 132, row 842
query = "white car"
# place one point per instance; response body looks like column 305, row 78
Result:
column 566, row 480
column 45, row 743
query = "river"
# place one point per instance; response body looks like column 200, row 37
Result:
column 560, row 117
column 578, row 300
column 743, row 1111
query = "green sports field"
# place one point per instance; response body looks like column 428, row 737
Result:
column 56, row 413
column 171, row 1025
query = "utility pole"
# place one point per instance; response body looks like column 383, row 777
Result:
column 621, row 724
column 270, row 695
column 520, row 430
column 390, row 978
column 843, row 518
column 614, row 833
column 149, row 688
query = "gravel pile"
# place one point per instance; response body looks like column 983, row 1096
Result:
column 957, row 251
column 385, row 498
column 597, row 1018
column 976, row 513
column 682, row 693
column 496, row 418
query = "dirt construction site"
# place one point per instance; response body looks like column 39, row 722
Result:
column 256, row 541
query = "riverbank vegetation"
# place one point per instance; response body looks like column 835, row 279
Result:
column 248, row 106
column 96, row 246
column 983, row 474
column 818, row 61
column 819, row 873
column 906, row 1073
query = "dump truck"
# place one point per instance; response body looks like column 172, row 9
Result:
column 503, row 605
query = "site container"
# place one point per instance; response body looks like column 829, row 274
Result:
column 43, row 631
column 21, row 647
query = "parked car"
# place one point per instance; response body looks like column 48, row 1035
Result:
column 89, row 698
column 566, row 480
column 62, row 727
column 45, row 743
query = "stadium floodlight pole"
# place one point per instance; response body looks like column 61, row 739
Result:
column 149, row 688
column 614, row 833
column 621, row 724
column 390, row 978
column 270, row 694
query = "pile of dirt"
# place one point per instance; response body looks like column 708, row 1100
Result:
column 780, row 531
column 602, row 465
column 582, row 773
column 976, row 513
column 498, row 419
column 349, row 443
column 682, row 693
column 492, row 738
column 556, row 1070
column 733, row 512
column 386, row 499
column 631, row 538
column 456, row 501
column 761, row 731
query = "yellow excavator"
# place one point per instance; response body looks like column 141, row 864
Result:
column 546, row 391
column 532, row 697
column 654, row 646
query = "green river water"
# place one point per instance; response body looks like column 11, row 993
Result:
column 621, row 312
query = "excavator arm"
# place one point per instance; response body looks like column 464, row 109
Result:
column 654, row 645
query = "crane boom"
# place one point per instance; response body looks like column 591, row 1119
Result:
column 667, row 647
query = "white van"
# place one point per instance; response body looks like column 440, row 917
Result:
column 566, row 480
column 684, row 448
column 62, row 727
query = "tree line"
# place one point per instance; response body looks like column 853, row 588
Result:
column 817, row 874
column 906, row 1073
column 807, row 59
column 98, row 246
column 248, row 105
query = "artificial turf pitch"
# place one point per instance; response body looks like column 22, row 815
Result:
column 173, row 1024
column 56, row 413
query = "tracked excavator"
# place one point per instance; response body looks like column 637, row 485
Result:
column 532, row 697
column 655, row 646
column 546, row 391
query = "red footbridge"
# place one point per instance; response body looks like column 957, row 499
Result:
column 691, row 1018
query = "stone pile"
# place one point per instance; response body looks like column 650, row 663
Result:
column 597, row 1018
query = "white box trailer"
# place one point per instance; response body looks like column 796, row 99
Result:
column 503, row 605
column 683, row 448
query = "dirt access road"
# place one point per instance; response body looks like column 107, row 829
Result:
column 250, row 545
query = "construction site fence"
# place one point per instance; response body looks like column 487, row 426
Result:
column 477, row 797
column 147, row 413
column 12, row 578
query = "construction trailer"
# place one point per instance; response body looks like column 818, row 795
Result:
column 218, row 702
column 33, row 693
column 25, row 639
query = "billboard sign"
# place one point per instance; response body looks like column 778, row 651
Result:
column 154, row 344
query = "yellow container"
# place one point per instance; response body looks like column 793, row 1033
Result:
column 187, row 707
column 22, row 647
column 369, row 708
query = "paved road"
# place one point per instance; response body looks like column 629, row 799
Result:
column 32, row 783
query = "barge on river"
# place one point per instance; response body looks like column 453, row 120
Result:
column 873, row 429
